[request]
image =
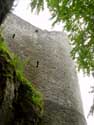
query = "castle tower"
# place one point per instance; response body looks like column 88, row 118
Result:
column 50, row 68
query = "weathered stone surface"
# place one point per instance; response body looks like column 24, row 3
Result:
column 50, row 68
column 18, row 105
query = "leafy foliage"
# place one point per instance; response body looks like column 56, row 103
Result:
column 78, row 19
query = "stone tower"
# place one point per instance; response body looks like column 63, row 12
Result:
column 50, row 68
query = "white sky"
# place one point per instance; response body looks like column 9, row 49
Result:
column 42, row 21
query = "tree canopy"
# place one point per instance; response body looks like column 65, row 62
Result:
column 78, row 19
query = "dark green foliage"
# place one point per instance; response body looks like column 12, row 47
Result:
column 78, row 18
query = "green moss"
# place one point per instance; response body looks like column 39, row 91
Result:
column 31, row 97
column 28, row 95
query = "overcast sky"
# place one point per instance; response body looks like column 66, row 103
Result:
column 43, row 21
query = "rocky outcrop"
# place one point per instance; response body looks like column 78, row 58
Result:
column 20, row 101
column 50, row 68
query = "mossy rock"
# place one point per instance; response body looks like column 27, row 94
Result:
column 21, row 101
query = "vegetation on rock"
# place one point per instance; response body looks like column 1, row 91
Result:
column 16, row 92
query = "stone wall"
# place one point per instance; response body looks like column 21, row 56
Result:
column 50, row 68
